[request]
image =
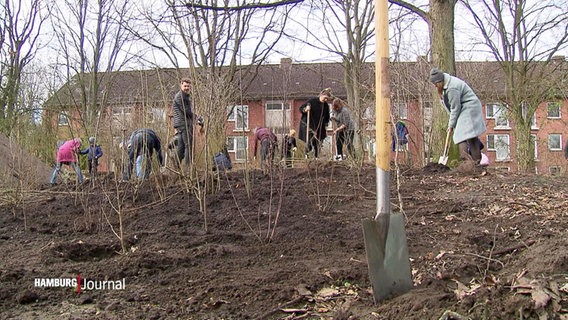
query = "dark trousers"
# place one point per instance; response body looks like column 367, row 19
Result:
column 185, row 145
column 93, row 164
column 313, row 144
column 266, row 152
column 138, row 160
column 345, row 137
column 474, row 153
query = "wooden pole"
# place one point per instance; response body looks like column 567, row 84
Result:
column 382, row 107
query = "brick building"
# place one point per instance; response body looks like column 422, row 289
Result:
column 135, row 99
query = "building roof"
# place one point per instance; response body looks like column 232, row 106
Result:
column 289, row 81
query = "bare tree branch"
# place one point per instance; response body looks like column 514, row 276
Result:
column 243, row 7
column 409, row 6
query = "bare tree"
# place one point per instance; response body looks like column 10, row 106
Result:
column 343, row 29
column 19, row 41
column 440, row 17
column 90, row 43
column 222, row 45
column 523, row 36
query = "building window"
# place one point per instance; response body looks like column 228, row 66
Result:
column 525, row 110
column 500, row 144
column 535, row 146
column 238, row 145
column 156, row 115
column 400, row 110
column 122, row 116
column 121, row 111
column 239, row 115
column 498, row 112
column 555, row 142
column 555, row 170
column 277, row 116
column 63, row 119
column 553, row 110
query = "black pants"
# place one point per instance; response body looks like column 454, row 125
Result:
column 266, row 152
column 345, row 137
column 474, row 153
column 313, row 144
column 93, row 164
column 184, row 147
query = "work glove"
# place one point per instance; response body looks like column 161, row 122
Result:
column 294, row 149
column 200, row 121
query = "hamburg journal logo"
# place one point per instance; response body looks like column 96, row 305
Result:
column 81, row 284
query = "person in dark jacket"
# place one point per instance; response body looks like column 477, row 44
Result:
column 289, row 146
column 313, row 133
column 183, row 116
column 222, row 161
column 268, row 142
column 93, row 152
column 141, row 146
column 400, row 136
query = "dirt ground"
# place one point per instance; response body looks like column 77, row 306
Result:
column 287, row 246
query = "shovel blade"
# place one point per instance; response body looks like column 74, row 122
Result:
column 387, row 255
column 443, row 160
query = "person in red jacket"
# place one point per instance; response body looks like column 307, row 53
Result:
column 67, row 154
column 268, row 142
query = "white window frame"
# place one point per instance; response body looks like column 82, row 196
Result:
column 122, row 111
column 488, row 107
column 525, row 107
column 559, row 146
column 535, row 142
column 156, row 115
column 63, row 118
column 233, row 147
column 400, row 109
column 233, row 113
column 500, row 144
column 497, row 112
column 556, row 105
column 282, row 105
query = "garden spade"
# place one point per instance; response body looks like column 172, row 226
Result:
column 444, row 158
column 385, row 236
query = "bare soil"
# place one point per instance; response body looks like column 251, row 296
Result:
column 288, row 246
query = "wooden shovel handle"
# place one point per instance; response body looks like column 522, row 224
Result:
column 447, row 142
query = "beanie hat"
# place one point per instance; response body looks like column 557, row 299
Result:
column 436, row 76
column 92, row 140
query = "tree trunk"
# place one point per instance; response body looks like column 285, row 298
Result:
column 441, row 23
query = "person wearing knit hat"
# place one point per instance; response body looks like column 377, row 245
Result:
column 436, row 76
column 93, row 152
column 466, row 122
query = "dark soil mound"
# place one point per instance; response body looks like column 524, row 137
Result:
column 286, row 246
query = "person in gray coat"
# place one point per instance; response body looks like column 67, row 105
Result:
column 466, row 121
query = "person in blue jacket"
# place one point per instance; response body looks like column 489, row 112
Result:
column 93, row 152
